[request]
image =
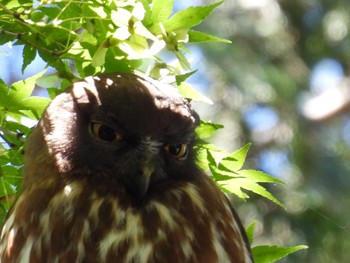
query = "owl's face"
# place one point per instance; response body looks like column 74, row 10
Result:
column 123, row 129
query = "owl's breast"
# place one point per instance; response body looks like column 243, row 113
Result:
column 78, row 225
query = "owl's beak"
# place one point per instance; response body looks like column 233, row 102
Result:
column 138, row 184
column 147, row 171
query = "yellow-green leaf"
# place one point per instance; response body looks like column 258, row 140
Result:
column 189, row 17
column 269, row 254
column 189, row 92
column 235, row 183
column 161, row 10
column 235, row 160
column 196, row 36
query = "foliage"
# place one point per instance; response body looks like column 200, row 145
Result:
column 80, row 38
column 284, row 55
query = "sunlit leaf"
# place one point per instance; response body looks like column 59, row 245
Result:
column 259, row 176
column 141, row 30
column 196, row 36
column 189, row 17
column 235, row 161
column 269, row 254
column 48, row 81
column 161, row 10
column 36, row 104
column 24, row 88
column 250, row 232
column 189, row 92
column 207, row 129
column 236, row 184
column 13, row 98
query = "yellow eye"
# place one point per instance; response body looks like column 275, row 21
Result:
column 178, row 150
column 105, row 133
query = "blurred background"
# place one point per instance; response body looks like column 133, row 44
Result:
column 283, row 84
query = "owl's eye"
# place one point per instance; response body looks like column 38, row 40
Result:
column 177, row 150
column 105, row 133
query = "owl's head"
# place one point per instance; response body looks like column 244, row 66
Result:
column 131, row 131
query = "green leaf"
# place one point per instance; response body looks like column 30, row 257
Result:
column 216, row 152
column 99, row 11
column 15, row 157
column 236, row 184
column 161, row 10
column 208, row 154
column 29, row 54
column 189, row 17
column 16, row 127
column 24, row 88
column 189, row 92
column 207, row 129
column 235, row 161
column 99, row 57
column 218, row 175
column 35, row 104
column 196, row 36
column 185, row 64
column 269, row 254
column 250, row 232
column 259, row 176
column 48, row 81
column 6, row 188
column 182, row 77
column 13, row 98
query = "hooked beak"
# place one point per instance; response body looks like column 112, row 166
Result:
column 138, row 184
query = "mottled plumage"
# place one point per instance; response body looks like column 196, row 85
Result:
column 110, row 176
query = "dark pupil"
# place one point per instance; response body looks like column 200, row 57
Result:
column 175, row 149
column 106, row 133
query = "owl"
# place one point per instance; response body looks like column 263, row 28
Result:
column 110, row 176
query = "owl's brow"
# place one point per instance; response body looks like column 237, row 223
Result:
column 109, row 120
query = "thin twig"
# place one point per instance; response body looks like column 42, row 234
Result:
column 19, row 37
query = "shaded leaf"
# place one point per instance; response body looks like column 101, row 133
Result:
column 6, row 188
column 99, row 57
column 29, row 54
column 182, row 77
column 185, row 64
